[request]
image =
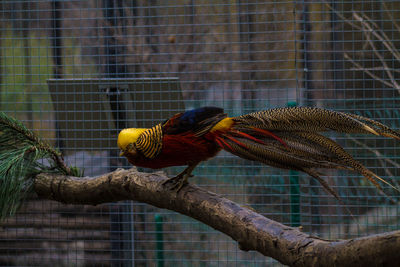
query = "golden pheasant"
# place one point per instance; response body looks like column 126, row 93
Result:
column 286, row 138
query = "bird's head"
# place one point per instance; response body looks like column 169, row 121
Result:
column 126, row 139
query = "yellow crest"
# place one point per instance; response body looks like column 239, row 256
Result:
column 129, row 136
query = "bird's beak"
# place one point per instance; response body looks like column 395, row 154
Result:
column 129, row 151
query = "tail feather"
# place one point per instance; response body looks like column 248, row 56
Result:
column 268, row 133
column 348, row 160
column 220, row 141
column 312, row 119
column 296, row 156
column 324, row 184
column 380, row 128
column 371, row 176
column 370, row 173
column 302, row 150
column 329, row 189
column 251, row 154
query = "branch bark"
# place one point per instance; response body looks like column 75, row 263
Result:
column 251, row 230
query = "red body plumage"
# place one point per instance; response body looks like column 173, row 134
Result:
column 180, row 149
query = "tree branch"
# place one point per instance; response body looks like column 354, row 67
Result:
column 251, row 230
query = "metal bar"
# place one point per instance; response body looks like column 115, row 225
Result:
column 308, row 86
column 295, row 215
column 121, row 221
column 56, row 38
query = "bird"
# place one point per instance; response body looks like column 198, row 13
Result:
column 286, row 138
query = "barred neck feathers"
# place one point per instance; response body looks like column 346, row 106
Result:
column 149, row 143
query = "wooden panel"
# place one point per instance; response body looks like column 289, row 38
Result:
column 47, row 233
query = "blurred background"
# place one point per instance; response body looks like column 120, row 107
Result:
column 79, row 71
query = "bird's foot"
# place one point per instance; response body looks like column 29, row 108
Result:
column 181, row 179
column 177, row 182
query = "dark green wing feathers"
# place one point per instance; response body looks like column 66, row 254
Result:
column 197, row 121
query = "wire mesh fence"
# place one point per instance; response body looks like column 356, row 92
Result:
column 79, row 71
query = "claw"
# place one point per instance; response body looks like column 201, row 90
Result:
column 181, row 179
column 177, row 182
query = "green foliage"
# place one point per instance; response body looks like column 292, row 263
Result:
column 22, row 156
column 75, row 171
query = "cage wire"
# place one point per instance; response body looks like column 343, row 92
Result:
column 79, row 71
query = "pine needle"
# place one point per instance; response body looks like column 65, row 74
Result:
column 23, row 155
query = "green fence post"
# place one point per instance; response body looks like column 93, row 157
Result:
column 159, row 240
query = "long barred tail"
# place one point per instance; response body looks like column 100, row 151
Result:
column 315, row 120
column 287, row 138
